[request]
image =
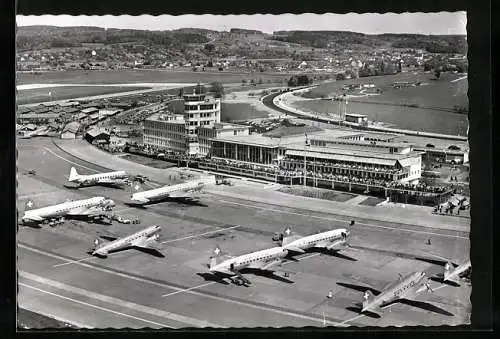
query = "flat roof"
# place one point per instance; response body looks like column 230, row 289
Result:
column 355, row 115
column 225, row 125
column 39, row 115
column 156, row 117
column 356, row 153
column 361, row 142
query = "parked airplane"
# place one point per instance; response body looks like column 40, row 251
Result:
column 453, row 272
column 401, row 291
column 143, row 240
column 329, row 240
column 230, row 267
column 109, row 178
column 182, row 190
column 87, row 207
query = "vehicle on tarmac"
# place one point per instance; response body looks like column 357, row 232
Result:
column 124, row 220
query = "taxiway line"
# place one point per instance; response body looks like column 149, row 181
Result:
column 188, row 289
column 74, row 262
column 92, row 306
column 69, row 161
column 120, row 302
column 338, row 220
column 199, row 235
column 198, row 293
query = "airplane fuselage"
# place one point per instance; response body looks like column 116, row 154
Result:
column 396, row 290
column 254, row 259
column 167, row 191
column 330, row 239
column 127, row 241
column 101, row 177
column 63, row 209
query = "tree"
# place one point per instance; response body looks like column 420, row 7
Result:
column 200, row 89
column 437, row 73
column 243, row 82
column 261, row 81
column 209, row 48
column 217, row 89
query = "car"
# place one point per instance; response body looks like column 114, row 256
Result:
column 277, row 236
column 32, row 172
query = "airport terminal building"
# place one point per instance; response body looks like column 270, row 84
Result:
column 334, row 154
column 179, row 133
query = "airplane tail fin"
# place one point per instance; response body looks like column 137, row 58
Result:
column 216, row 258
column 367, row 298
column 448, row 268
column 73, row 174
column 288, row 236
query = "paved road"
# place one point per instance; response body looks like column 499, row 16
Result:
column 169, row 291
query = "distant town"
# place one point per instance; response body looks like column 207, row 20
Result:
column 342, row 54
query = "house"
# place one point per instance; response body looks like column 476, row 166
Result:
column 70, row 130
column 97, row 136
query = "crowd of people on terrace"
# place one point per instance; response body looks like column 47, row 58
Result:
column 346, row 165
column 287, row 174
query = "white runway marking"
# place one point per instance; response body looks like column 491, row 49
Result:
column 188, row 289
column 74, row 261
column 201, row 234
column 118, row 302
column 464, row 77
column 333, row 219
column 144, row 280
column 94, row 306
column 69, row 161
column 352, row 319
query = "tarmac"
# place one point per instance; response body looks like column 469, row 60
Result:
column 136, row 290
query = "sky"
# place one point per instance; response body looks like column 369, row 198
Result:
column 370, row 23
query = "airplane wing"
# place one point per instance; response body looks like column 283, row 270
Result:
column 34, row 218
column 144, row 243
column 141, row 200
column 295, row 249
column 227, row 272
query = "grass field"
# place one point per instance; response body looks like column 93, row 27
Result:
column 31, row 320
column 148, row 161
column 30, row 96
column 371, row 201
column 318, row 193
column 137, row 76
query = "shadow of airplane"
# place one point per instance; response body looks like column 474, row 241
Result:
column 332, row 253
column 266, row 274
column 357, row 309
column 108, row 185
column 213, row 277
column 415, row 303
column 359, row 288
column 179, row 200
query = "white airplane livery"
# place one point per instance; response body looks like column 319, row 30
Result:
column 330, row 240
column 118, row 177
column 144, row 239
column 400, row 291
column 86, row 207
column 453, row 272
column 185, row 189
column 230, row 266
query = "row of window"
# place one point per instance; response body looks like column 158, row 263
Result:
column 248, row 261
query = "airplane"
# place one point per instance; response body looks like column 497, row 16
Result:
column 109, row 178
column 183, row 190
column 453, row 272
column 143, row 240
column 77, row 208
column 329, row 240
column 230, row 267
column 401, row 291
